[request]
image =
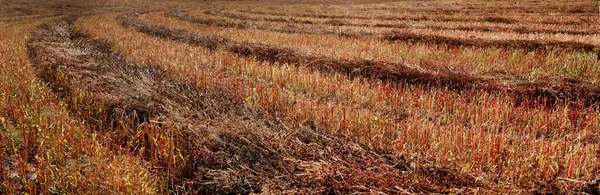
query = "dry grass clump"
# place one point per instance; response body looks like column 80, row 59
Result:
column 499, row 146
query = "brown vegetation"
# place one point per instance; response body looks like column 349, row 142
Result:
column 141, row 104
column 532, row 45
column 479, row 42
column 441, row 18
column 228, row 148
column 335, row 22
column 550, row 89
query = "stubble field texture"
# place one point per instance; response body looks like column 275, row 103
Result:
column 300, row 97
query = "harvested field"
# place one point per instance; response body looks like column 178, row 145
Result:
column 549, row 90
column 505, row 60
column 440, row 17
column 303, row 97
column 476, row 40
column 473, row 26
column 142, row 97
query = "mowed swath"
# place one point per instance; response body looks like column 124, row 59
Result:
column 476, row 55
column 524, row 12
column 264, row 95
column 178, row 35
column 550, row 89
column 426, row 24
column 310, row 97
column 133, row 95
column 470, row 37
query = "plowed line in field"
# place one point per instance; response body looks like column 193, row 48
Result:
column 491, row 19
column 550, row 88
column 532, row 45
column 520, row 30
column 229, row 147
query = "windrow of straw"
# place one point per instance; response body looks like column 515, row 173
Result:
column 531, row 45
column 204, row 138
column 550, row 89
column 404, row 25
column 472, row 131
column 439, row 18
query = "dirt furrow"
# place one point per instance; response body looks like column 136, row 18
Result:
column 551, row 90
column 227, row 147
column 520, row 30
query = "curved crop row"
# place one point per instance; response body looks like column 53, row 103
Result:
column 403, row 25
column 415, row 102
column 586, row 8
column 213, row 143
column 320, row 112
column 163, row 35
column 361, row 47
column 119, row 104
column 479, row 42
column 412, row 17
column 397, row 72
column 432, row 38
